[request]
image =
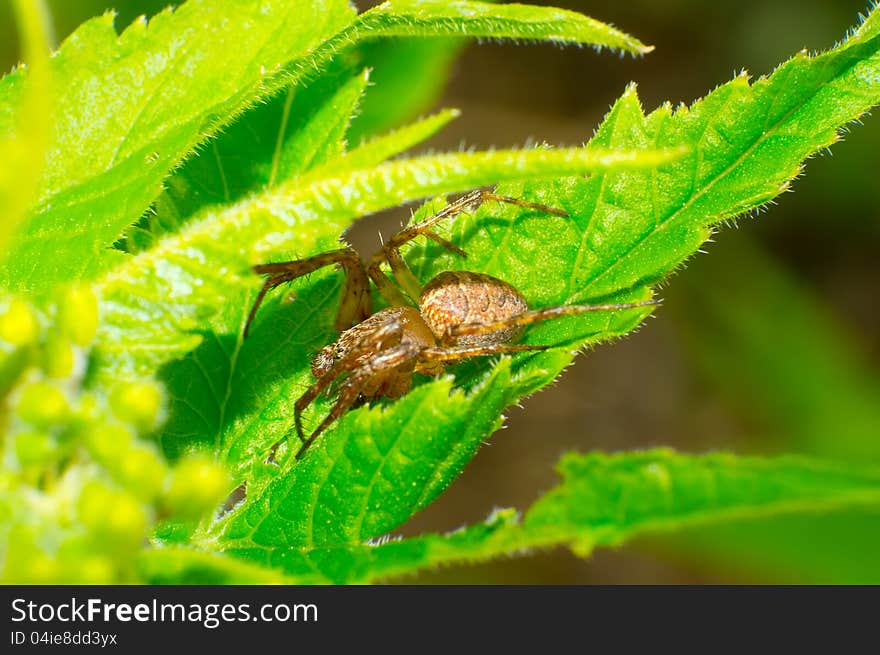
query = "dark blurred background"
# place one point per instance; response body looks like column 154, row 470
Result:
column 770, row 344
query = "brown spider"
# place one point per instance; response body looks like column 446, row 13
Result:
column 460, row 314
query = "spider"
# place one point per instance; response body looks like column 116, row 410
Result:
column 456, row 315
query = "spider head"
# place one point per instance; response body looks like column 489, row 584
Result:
column 371, row 337
column 323, row 361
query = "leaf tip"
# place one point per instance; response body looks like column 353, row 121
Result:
column 631, row 90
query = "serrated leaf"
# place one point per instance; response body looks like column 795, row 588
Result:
column 440, row 18
column 187, row 566
column 603, row 500
column 24, row 129
column 809, row 390
column 376, row 150
column 349, row 493
column 409, row 73
column 277, row 147
column 113, row 141
column 153, row 304
column 198, row 411
column 627, row 229
column 287, row 136
column 408, row 76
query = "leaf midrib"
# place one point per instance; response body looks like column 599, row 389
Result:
column 379, row 469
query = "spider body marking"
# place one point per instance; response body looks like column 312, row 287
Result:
column 456, row 315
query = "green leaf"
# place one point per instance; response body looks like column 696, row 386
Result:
column 408, row 76
column 178, row 565
column 808, row 389
column 153, row 303
column 603, row 500
column 24, row 129
column 482, row 19
column 835, row 548
column 409, row 73
column 627, row 229
column 198, row 411
column 115, row 142
column 386, row 146
column 288, row 136
column 348, row 492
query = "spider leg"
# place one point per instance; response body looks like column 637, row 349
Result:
column 304, row 401
column 446, row 244
column 378, row 340
column 519, row 202
column 346, row 363
column 455, row 353
column 390, row 252
column 355, row 295
column 536, row 315
column 467, row 202
column 402, row 272
column 391, row 359
column 348, row 394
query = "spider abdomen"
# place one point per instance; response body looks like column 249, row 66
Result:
column 455, row 298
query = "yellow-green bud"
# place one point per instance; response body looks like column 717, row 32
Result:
column 58, row 358
column 80, row 566
column 78, row 315
column 25, row 562
column 79, row 562
column 18, row 324
column 114, row 518
column 34, row 568
column 43, row 405
column 95, row 570
column 139, row 403
column 141, row 470
column 198, row 485
column 108, row 442
column 33, row 447
column 89, row 408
